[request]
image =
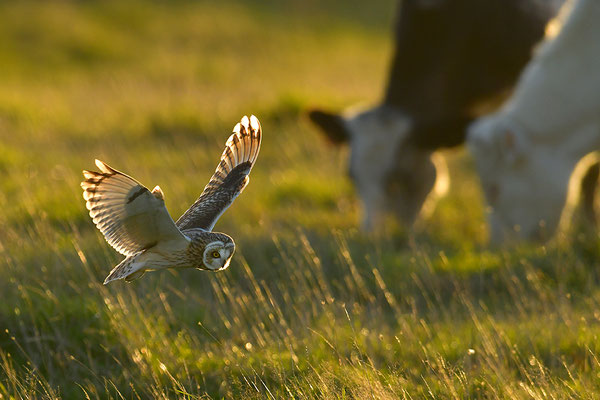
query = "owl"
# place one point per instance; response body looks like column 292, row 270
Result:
column 136, row 223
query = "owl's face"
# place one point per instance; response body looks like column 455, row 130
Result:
column 217, row 255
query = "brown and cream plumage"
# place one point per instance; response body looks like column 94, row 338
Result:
column 136, row 223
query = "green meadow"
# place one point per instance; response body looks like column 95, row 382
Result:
column 310, row 308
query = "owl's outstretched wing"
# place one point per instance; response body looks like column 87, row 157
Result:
column 229, row 179
column 130, row 217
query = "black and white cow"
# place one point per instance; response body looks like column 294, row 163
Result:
column 527, row 152
column 450, row 57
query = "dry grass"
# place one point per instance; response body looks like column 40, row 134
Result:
column 310, row 308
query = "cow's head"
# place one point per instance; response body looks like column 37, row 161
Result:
column 391, row 175
column 525, row 184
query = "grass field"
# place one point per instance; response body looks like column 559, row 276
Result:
column 310, row 307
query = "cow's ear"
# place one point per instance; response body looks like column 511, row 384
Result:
column 332, row 125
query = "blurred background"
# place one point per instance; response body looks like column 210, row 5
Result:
column 310, row 307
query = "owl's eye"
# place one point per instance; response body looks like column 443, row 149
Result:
column 215, row 254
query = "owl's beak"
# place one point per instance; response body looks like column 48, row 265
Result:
column 229, row 250
column 226, row 265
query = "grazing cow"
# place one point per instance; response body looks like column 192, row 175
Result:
column 450, row 56
column 526, row 152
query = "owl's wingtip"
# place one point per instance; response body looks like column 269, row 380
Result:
column 104, row 167
column 245, row 121
column 254, row 122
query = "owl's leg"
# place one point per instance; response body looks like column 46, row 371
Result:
column 135, row 275
column 128, row 267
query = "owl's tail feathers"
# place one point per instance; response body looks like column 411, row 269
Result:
column 129, row 269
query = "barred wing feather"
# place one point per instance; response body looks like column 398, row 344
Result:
column 229, row 179
column 130, row 217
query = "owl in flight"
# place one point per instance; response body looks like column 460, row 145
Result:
column 136, row 223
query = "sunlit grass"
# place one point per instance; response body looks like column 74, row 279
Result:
column 310, row 307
